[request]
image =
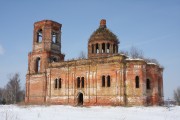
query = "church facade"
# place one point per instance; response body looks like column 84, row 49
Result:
column 104, row 78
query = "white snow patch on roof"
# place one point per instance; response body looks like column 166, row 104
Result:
column 135, row 59
column 151, row 63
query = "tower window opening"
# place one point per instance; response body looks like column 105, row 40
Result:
column 78, row 82
column 54, row 59
column 137, row 82
column 108, row 81
column 82, row 82
column 148, row 84
column 108, row 48
column 38, row 65
column 97, row 48
column 54, row 37
column 103, row 48
column 39, row 36
column 103, row 81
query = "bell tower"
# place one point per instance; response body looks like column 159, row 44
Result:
column 46, row 45
column 46, row 49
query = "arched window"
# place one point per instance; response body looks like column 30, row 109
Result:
column 148, row 84
column 59, row 82
column 39, row 36
column 54, row 37
column 108, row 81
column 103, row 81
column 78, row 82
column 53, row 59
column 103, row 48
column 38, row 64
column 82, row 82
column 92, row 48
column 97, row 48
column 108, row 48
column 56, row 83
column 137, row 81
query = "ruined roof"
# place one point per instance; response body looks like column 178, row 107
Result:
column 103, row 33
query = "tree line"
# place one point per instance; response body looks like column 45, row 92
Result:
column 12, row 93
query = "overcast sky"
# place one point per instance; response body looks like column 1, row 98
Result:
column 150, row 25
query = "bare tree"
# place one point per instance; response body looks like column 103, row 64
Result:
column 177, row 95
column 13, row 92
column 2, row 99
column 82, row 55
column 136, row 53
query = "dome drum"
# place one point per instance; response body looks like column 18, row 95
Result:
column 102, row 42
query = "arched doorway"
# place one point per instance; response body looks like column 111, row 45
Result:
column 80, row 99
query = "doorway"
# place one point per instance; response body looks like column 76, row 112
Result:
column 80, row 99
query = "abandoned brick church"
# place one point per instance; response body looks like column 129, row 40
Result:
column 104, row 78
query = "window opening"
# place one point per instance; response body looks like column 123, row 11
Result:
column 78, row 82
column 60, row 83
column 148, row 84
column 108, row 48
column 137, row 81
column 103, row 48
column 39, row 36
column 54, row 59
column 103, row 81
column 38, row 62
column 108, row 81
column 97, row 48
column 56, row 83
column 82, row 82
column 54, row 37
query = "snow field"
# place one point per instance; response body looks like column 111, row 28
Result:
column 60, row 112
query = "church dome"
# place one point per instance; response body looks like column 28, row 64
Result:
column 103, row 33
column 102, row 42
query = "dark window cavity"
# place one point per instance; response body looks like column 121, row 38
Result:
column 108, row 48
column 108, row 81
column 59, row 82
column 137, row 81
column 148, row 84
column 78, row 82
column 103, row 48
column 103, row 81
column 56, row 83
column 82, row 82
column 38, row 65
column 97, row 48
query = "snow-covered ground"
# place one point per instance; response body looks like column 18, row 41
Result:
column 60, row 112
